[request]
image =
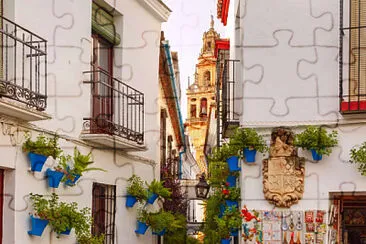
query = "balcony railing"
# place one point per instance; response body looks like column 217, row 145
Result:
column 23, row 65
column 117, row 109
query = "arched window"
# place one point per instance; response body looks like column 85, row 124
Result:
column 193, row 111
column 203, row 112
column 207, row 78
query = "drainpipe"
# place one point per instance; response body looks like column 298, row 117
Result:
column 172, row 79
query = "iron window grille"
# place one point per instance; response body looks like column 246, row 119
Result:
column 104, row 211
column 23, row 65
column 352, row 89
column 119, row 109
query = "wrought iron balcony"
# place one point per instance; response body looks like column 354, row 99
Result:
column 23, row 65
column 117, row 109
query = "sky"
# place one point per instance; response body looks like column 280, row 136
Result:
column 184, row 30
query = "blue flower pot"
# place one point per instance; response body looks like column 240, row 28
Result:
column 72, row 182
column 225, row 241
column 161, row 233
column 231, row 179
column 152, row 198
column 233, row 162
column 141, row 228
column 54, row 178
column 37, row 161
column 66, row 232
column 234, row 232
column 230, row 203
column 316, row 156
column 222, row 210
column 38, row 226
column 249, row 155
column 130, row 201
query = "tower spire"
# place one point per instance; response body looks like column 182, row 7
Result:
column 212, row 22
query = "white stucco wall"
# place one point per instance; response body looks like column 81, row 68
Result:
column 66, row 25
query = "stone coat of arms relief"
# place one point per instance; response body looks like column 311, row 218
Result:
column 283, row 171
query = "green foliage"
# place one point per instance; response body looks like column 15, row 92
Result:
column 42, row 145
column 231, row 193
column 248, row 138
column 81, row 163
column 232, row 218
column 210, row 224
column 317, row 138
column 143, row 216
column 220, row 154
column 218, row 173
column 136, row 188
column 223, row 230
column 63, row 216
column 177, row 231
column 162, row 220
column 358, row 156
column 158, row 188
column 192, row 240
column 63, row 164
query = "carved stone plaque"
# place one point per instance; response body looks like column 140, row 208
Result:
column 283, row 171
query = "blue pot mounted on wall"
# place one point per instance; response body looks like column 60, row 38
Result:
column 249, row 155
column 37, row 161
column 161, row 233
column 54, row 178
column 152, row 198
column 316, row 156
column 230, row 203
column 66, row 232
column 234, row 232
column 231, row 180
column 130, row 201
column 225, row 241
column 38, row 226
column 72, row 182
column 233, row 163
column 141, row 228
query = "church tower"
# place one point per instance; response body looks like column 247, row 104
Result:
column 201, row 95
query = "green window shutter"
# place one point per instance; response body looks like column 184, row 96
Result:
column 102, row 24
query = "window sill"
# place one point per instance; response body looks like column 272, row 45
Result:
column 353, row 107
column 19, row 111
column 112, row 141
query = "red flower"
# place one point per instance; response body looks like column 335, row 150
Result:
column 225, row 192
column 227, row 183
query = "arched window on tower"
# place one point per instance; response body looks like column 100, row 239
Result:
column 203, row 112
column 207, row 78
column 193, row 111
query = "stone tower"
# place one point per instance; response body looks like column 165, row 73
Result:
column 201, row 95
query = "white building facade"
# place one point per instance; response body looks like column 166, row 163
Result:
column 88, row 72
column 301, row 63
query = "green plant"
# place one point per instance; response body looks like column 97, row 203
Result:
column 158, row 188
column 143, row 216
column 232, row 218
column 231, row 193
column 212, row 207
column 222, row 228
column 192, row 240
column 136, row 188
column 220, row 154
column 218, row 173
column 177, row 230
column 89, row 239
column 42, row 145
column 160, row 220
column 318, row 139
column 248, row 138
column 358, row 156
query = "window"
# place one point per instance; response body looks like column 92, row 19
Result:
column 207, row 78
column 203, row 112
column 193, row 111
column 353, row 90
column 103, row 211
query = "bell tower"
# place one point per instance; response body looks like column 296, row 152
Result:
column 201, row 95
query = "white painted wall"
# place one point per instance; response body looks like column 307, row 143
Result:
column 66, row 25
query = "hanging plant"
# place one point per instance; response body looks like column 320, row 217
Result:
column 233, row 220
column 248, row 141
column 358, row 156
column 135, row 191
column 317, row 140
column 57, row 174
column 142, row 221
column 156, row 189
column 223, row 230
column 218, row 173
column 40, row 149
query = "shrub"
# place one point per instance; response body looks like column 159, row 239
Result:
column 42, row 145
column 136, row 188
column 158, row 188
column 358, row 156
column 248, row 138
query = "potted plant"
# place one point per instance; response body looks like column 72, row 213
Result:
column 55, row 176
column 317, row 140
column 231, row 196
column 249, row 141
column 135, row 191
column 40, row 149
column 223, row 230
column 39, row 219
column 156, row 189
column 233, row 220
column 226, row 153
column 142, row 222
column 218, row 172
column 231, row 179
column 160, row 221
column 358, row 155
